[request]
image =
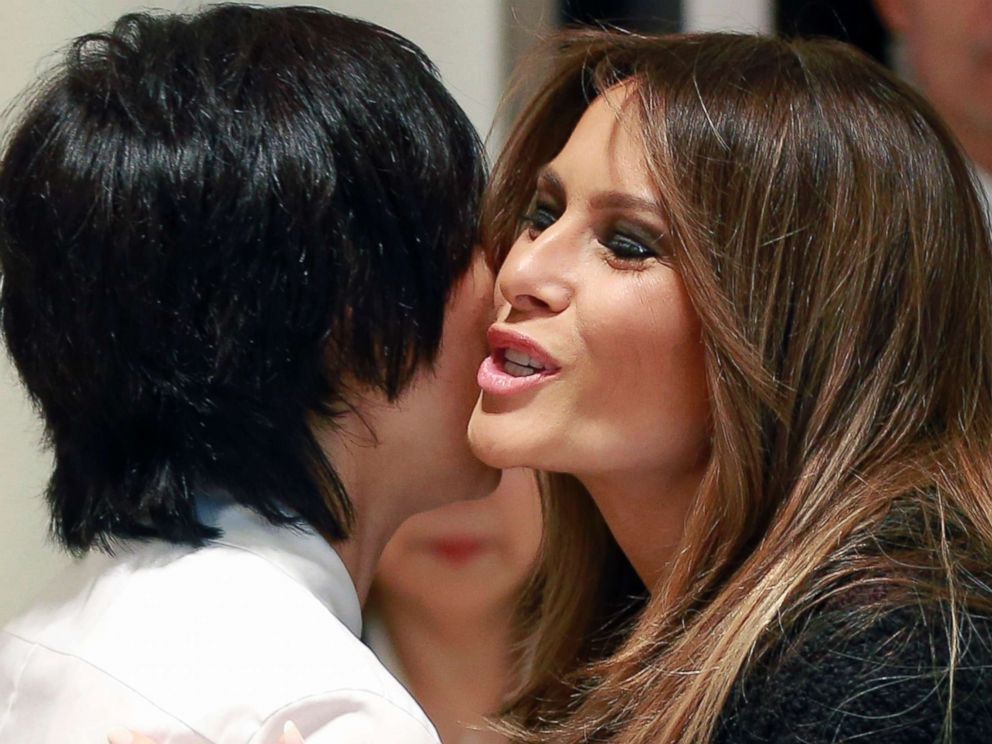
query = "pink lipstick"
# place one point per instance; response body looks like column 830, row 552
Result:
column 516, row 363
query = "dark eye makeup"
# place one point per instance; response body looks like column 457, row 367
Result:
column 628, row 244
column 625, row 243
column 539, row 219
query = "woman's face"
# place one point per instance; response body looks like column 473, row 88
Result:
column 596, row 364
column 466, row 558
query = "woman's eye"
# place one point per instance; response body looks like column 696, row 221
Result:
column 538, row 220
column 628, row 249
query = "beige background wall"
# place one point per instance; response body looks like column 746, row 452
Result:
column 727, row 15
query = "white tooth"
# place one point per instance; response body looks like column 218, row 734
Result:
column 519, row 357
column 517, row 370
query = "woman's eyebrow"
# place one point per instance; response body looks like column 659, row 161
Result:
column 623, row 200
column 549, row 180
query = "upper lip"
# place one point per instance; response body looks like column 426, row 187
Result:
column 501, row 339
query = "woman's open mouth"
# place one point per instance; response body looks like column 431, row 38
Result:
column 515, row 363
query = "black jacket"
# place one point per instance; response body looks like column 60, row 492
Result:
column 861, row 678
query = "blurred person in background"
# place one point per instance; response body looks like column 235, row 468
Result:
column 440, row 614
column 947, row 48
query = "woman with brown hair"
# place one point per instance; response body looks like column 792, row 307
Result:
column 744, row 310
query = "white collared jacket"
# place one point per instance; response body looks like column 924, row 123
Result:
column 221, row 644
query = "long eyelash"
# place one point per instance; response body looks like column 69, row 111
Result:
column 532, row 220
column 621, row 243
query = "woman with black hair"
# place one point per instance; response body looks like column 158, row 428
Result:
column 228, row 244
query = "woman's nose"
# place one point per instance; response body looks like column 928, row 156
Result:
column 533, row 278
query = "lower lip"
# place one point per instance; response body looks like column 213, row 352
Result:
column 495, row 381
column 457, row 550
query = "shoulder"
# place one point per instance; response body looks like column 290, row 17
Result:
column 206, row 631
column 861, row 674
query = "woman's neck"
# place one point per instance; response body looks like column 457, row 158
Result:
column 456, row 663
column 646, row 514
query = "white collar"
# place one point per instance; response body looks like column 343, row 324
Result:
column 300, row 553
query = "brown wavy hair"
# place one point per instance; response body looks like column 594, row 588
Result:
column 831, row 239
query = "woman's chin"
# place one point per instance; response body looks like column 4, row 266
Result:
column 496, row 443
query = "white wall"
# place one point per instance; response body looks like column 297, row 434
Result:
column 464, row 38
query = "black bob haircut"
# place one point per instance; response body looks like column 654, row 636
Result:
column 208, row 223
